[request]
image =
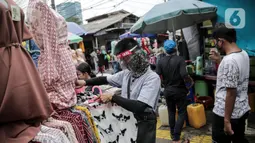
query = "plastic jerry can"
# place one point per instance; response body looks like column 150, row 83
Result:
column 196, row 115
column 163, row 116
column 201, row 88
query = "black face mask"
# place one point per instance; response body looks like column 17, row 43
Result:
column 220, row 49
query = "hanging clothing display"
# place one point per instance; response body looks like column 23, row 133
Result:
column 51, row 135
column 89, row 126
column 191, row 36
column 115, row 124
column 64, row 126
column 91, row 121
column 23, row 99
column 183, row 49
column 55, row 66
column 81, row 129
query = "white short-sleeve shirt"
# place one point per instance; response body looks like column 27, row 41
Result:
column 145, row 88
column 233, row 72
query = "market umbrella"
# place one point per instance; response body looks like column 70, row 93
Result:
column 75, row 29
column 132, row 35
column 174, row 15
column 72, row 38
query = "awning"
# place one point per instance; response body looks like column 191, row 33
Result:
column 174, row 15
column 132, row 35
column 75, row 29
column 72, row 38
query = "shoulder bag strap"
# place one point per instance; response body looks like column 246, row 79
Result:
column 128, row 87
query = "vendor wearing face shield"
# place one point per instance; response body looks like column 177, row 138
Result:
column 140, row 88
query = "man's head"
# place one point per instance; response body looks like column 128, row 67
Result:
column 223, row 37
column 169, row 46
column 131, row 56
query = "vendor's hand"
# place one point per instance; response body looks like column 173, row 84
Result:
column 228, row 128
column 106, row 97
column 215, row 56
column 80, row 83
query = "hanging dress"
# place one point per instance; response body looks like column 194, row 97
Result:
column 23, row 100
column 55, row 65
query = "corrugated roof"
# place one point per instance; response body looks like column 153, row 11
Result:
column 98, row 25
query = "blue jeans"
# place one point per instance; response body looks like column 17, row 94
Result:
column 176, row 125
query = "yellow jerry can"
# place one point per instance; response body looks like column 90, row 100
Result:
column 196, row 115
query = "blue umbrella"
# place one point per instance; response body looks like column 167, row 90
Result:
column 132, row 35
column 75, row 29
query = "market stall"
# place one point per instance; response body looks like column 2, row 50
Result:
column 191, row 17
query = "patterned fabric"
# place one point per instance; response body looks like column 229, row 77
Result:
column 66, row 127
column 233, row 72
column 23, row 99
column 91, row 121
column 138, row 64
column 84, row 96
column 51, row 135
column 79, row 126
column 55, row 64
column 89, row 126
column 115, row 124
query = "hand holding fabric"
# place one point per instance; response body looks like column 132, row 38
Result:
column 80, row 83
column 106, row 97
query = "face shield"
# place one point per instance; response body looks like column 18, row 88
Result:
column 124, row 57
column 135, row 60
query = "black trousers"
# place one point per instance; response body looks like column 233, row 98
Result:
column 238, row 126
column 146, row 124
column 180, row 103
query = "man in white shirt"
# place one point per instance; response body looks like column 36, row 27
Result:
column 231, row 107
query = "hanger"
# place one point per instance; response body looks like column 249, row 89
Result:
column 97, row 91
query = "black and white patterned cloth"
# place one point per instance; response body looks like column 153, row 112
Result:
column 233, row 72
column 115, row 124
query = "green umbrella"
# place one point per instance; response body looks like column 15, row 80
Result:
column 174, row 15
column 72, row 38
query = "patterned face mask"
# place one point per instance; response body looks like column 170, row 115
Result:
column 137, row 63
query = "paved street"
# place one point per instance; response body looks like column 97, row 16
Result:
column 202, row 135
